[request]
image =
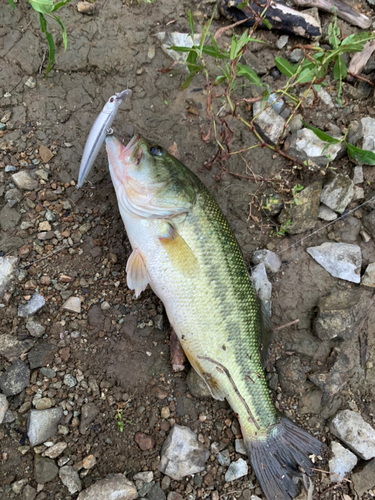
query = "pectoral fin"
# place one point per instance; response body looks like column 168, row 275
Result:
column 178, row 250
column 137, row 276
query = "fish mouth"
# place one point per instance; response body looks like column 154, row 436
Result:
column 131, row 144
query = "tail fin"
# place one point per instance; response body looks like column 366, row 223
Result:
column 276, row 458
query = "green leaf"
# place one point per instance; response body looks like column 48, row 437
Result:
column 181, row 49
column 188, row 81
column 233, row 48
column 250, row 74
column 211, row 51
column 63, row 30
column 265, row 97
column 284, row 66
column 267, row 24
column 191, row 23
column 206, row 27
column 322, row 135
column 50, row 42
column 42, row 6
column 242, row 5
column 11, row 3
column 60, row 4
column 191, row 59
column 220, row 79
column 360, row 155
column 339, row 69
column 361, row 38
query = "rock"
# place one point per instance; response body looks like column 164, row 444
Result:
column 43, row 403
column 304, row 144
column 271, row 261
column 3, row 407
column 9, row 417
column 56, row 450
column 262, row 286
column 8, row 267
column 42, row 424
column 24, row 180
column 338, row 193
column 42, row 355
column 349, row 228
column 368, row 131
column 296, row 55
column 357, row 93
column 236, row 470
column 368, row 222
column 182, row 454
column 177, row 39
column 282, row 41
column 311, row 402
column 69, row 380
column 357, row 434
column 88, row 412
column 45, row 469
column 70, row 479
column 341, row 260
column 18, row 486
column 296, row 123
column 327, row 213
column 9, row 218
column 15, row 379
column 156, row 493
column 13, row 196
column 197, row 386
column 358, row 175
column 269, row 123
column 342, row 363
column 240, row 446
column 258, row 64
column 303, row 214
column 326, row 98
column 364, row 480
column 291, row 375
column 11, row 348
column 45, row 154
column 86, row 8
column 368, row 278
column 144, row 441
column 339, row 314
column 276, row 106
column 359, row 193
column 29, row 493
column 36, row 303
column 342, row 462
column 272, row 203
column 223, row 457
column 114, row 487
column 31, row 82
column 47, row 372
column 73, row 304
column 146, row 476
column 89, row 462
column 35, row 329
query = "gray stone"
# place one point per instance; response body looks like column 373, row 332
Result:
column 282, row 41
column 223, row 457
column 256, row 63
column 364, row 479
column 177, row 39
column 42, row 424
column 56, row 450
column 45, row 469
column 4, row 405
column 338, row 193
column 368, row 222
column 9, row 218
column 262, row 286
column 24, row 180
column 146, row 476
column 182, row 454
column 291, row 375
column 358, row 175
column 70, row 479
column 368, row 278
column 339, row 314
column 311, row 402
column 269, row 123
column 9, row 417
column 29, row 493
column 341, row 260
column 296, row 55
column 349, row 228
column 11, row 348
column 342, row 364
column 8, row 267
column 368, row 131
column 236, row 470
column 114, row 487
column 326, row 98
column 42, row 355
column 326, row 213
column 13, row 196
column 69, row 380
column 276, row 106
column 359, row 193
column 355, row 133
column 240, row 446
column 35, row 329
column 88, row 412
column 47, row 372
column 295, row 123
column 156, row 493
column 73, row 304
column 197, row 386
column 15, row 379
column 34, row 305
column 357, row 434
column 304, row 144
column 342, row 462
column 271, row 261
column 303, row 214
column 18, row 486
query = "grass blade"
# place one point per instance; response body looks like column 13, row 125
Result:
column 322, row 135
column 360, row 155
column 11, row 3
column 63, row 29
column 42, row 6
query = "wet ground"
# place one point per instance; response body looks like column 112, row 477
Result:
column 117, row 345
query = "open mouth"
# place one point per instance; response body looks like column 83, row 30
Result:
column 133, row 141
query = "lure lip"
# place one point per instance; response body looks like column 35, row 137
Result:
column 121, row 95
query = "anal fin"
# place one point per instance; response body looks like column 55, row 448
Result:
column 137, row 276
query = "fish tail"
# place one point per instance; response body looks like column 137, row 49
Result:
column 279, row 457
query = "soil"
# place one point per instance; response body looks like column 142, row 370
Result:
column 120, row 350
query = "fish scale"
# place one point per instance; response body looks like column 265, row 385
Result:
column 184, row 248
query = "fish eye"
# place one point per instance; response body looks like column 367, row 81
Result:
column 111, row 99
column 156, row 150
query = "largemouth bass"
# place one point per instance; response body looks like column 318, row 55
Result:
column 185, row 250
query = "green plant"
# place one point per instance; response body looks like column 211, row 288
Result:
column 296, row 189
column 120, row 422
column 282, row 230
column 46, row 8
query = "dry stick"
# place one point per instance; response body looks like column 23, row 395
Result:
column 362, row 78
column 360, row 59
column 343, row 11
column 285, row 326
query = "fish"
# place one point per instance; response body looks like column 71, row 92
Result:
column 98, row 132
column 183, row 247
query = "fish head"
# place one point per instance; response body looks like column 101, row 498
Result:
column 149, row 182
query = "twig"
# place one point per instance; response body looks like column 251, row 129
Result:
column 285, row 326
column 361, row 78
column 43, row 59
column 251, row 177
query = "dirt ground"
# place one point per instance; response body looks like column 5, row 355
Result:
column 122, row 350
